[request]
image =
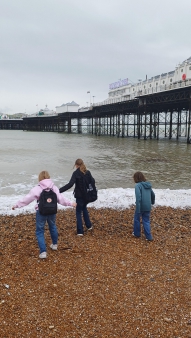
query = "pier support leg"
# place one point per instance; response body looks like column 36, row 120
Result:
column 123, row 125
column 138, row 126
column 158, row 123
column 155, row 126
column 186, row 123
column 165, row 135
column 170, row 128
column 118, row 126
column 96, row 126
column 68, row 126
column 151, row 127
column 189, row 122
column 135, row 125
column 113, row 125
column 92, row 125
column 145, row 127
column 99, row 126
column 79, row 125
column 178, row 125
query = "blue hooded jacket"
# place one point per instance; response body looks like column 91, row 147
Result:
column 144, row 196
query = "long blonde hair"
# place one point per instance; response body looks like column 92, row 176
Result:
column 80, row 163
column 43, row 175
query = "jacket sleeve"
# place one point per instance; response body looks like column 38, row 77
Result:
column 30, row 197
column 70, row 184
column 61, row 199
column 152, row 197
column 138, row 198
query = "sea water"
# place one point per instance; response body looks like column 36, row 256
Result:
column 112, row 161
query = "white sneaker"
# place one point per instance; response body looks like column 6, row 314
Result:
column 90, row 228
column 79, row 234
column 54, row 246
column 43, row 255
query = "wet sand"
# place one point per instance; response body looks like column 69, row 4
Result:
column 105, row 284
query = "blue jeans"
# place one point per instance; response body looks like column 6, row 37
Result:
column 40, row 225
column 146, row 224
column 82, row 209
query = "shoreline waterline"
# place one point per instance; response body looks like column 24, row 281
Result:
column 114, row 198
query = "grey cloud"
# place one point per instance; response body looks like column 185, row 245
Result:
column 59, row 49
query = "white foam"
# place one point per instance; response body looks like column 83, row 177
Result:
column 117, row 198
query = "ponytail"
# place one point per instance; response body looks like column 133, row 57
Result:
column 79, row 162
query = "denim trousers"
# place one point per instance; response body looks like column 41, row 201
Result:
column 40, row 227
column 81, row 209
column 145, row 215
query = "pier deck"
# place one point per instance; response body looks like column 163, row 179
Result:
column 154, row 116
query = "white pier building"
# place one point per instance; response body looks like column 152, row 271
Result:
column 122, row 90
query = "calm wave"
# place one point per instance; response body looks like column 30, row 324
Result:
column 111, row 160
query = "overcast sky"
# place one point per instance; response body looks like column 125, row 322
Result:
column 54, row 51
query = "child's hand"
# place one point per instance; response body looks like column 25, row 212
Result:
column 74, row 204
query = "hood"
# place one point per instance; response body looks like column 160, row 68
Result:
column 146, row 185
column 46, row 183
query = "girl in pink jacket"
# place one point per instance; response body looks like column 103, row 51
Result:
column 45, row 183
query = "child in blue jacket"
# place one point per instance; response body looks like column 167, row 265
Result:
column 144, row 198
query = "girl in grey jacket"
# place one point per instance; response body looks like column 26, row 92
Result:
column 145, row 197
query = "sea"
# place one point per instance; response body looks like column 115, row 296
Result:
column 111, row 160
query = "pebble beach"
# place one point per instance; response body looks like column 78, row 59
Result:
column 104, row 284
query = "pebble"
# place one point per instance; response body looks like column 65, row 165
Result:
column 167, row 320
column 7, row 286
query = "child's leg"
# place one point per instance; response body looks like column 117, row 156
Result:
column 79, row 224
column 51, row 219
column 86, row 217
column 146, row 225
column 40, row 223
column 136, row 225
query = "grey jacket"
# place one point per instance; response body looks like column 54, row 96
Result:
column 144, row 196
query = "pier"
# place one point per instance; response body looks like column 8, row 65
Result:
column 16, row 124
column 159, row 115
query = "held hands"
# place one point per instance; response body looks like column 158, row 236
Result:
column 74, row 204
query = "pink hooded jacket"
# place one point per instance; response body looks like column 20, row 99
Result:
column 35, row 192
